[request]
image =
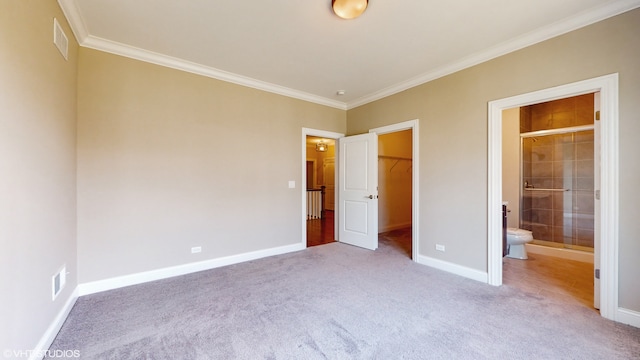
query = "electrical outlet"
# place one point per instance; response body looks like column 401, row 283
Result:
column 196, row 249
column 440, row 247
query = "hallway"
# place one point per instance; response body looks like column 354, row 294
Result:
column 321, row 231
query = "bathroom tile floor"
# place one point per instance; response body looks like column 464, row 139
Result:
column 561, row 280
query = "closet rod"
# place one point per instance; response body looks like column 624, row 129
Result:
column 393, row 157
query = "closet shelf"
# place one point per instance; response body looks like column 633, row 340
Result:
column 397, row 159
column 393, row 157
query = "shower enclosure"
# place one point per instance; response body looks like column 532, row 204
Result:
column 557, row 177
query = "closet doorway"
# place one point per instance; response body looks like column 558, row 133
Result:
column 395, row 174
column 398, row 177
column 412, row 126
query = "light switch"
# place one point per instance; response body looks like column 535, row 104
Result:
column 292, row 184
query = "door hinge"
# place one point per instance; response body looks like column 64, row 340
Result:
column 597, row 273
column 598, row 115
column 597, row 194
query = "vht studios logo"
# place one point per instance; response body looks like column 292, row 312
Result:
column 53, row 354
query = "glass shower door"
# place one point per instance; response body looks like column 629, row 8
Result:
column 557, row 202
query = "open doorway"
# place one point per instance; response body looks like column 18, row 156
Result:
column 395, row 176
column 320, row 190
column 550, row 165
column 411, row 125
column 398, row 180
column 606, row 263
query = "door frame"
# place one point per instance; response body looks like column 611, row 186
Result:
column 303, row 191
column 415, row 176
column 608, row 87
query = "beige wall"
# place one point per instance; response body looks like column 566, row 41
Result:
column 37, row 163
column 453, row 136
column 169, row 160
column 545, row 213
column 394, row 180
column 511, row 164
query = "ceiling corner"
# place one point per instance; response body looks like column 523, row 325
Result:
column 74, row 18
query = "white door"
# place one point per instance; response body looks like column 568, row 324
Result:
column 358, row 190
column 329, row 178
column 596, row 205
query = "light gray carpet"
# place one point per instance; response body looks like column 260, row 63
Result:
column 336, row 302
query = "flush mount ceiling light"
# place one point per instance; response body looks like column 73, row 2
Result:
column 321, row 146
column 349, row 9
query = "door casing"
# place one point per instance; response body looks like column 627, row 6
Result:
column 415, row 176
column 608, row 87
column 415, row 205
column 303, row 191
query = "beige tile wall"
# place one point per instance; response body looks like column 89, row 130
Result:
column 557, row 162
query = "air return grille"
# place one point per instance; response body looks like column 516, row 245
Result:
column 60, row 39
column 58, row 281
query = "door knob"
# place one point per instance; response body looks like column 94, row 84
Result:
column 373, row 196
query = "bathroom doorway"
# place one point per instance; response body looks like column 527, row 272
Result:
column 606, row 251
column 549, row 190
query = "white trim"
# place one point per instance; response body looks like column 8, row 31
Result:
column 132, row 52
column 608, row 88
column 605, row 11
column 564, row 26
column 327, row 135
column 74, row 18
column 168, row 272
column 629, row 317
column 456, row 269
column 52, row 331
column 415, row 173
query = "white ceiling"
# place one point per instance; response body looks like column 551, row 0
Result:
column 299, row 48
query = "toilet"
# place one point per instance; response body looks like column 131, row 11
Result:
column 516, row 238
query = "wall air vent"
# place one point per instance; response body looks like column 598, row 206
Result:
column 58, row 281
column 60, row 39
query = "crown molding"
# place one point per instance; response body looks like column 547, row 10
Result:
column 72, row 13
column 556, row 29
column 132, row 52
column 610, row 9
column 79, row 28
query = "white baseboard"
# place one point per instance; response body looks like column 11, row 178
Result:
column 52, row 331
column 454, row 268
column 624, row 316
column 158, row 274
column 629, row 317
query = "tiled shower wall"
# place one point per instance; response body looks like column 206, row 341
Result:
column 562, row 161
